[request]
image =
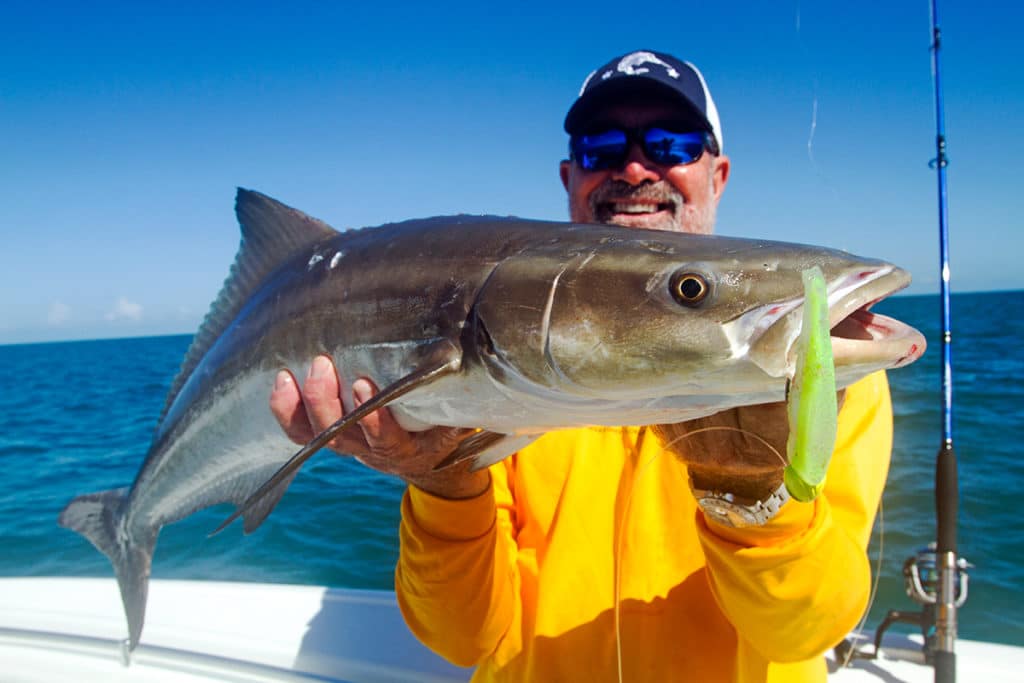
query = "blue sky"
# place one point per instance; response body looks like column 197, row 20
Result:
column 125, row 128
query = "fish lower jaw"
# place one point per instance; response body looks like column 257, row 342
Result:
column 873, row 340
column 863, row 342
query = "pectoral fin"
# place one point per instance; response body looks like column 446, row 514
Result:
column 486, row 448
column 274, row 487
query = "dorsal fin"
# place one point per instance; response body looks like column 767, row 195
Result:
column 271, row 232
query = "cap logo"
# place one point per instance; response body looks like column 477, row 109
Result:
column 634, row 64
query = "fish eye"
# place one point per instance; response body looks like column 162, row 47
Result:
column 689, row 289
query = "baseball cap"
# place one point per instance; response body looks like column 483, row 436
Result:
column 646, row 71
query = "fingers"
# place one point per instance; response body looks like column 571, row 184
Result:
column 393, row 449
column 382, row 432
column 390, row 447
column 287, row 407
column 379, row 441
column 303, row 415
column 374, row 423
column 320, row 392
column 748, row 438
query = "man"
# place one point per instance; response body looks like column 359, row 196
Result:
column 587, row 556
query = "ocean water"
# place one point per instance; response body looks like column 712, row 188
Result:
column 76, row 417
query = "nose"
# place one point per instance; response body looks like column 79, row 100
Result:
column 637, row 168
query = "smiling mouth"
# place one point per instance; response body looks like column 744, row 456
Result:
column 635, row 208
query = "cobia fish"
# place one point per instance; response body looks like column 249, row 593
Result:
column 511, row 326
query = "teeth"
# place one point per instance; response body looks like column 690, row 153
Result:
column 636, row 208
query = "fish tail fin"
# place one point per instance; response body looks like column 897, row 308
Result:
column 100, row 518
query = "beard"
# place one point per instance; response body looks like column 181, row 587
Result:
column 675, row 213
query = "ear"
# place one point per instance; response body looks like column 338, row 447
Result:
column 720, row 175
column 564, row 170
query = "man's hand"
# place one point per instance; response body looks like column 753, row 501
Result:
column 379, row 441
column 740, row 451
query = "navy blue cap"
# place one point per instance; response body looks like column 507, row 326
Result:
column 646, row 71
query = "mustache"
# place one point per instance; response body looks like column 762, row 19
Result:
column 661, row 192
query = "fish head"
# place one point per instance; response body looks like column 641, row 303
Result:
column 626, row 314
column 862, row 341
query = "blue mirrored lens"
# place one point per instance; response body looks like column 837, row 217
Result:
column 600, row 150
column 608, row 149
column 665, row 147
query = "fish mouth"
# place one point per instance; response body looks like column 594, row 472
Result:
column 866, row 336
column 862, row 341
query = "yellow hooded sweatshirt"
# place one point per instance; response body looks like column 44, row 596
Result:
column 520, row 581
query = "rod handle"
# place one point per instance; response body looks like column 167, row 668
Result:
column 947, row 499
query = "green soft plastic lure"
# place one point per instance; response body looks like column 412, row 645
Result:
column 811, row 402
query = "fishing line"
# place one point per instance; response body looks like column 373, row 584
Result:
column 814, row 127
column 875, row 581
column 814, row 110
column 625, row 516
column 814, row 101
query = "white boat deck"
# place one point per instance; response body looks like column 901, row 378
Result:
column 71, row 629
column 54, row 629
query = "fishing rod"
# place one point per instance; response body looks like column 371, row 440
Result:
column 936, row 578
column 947, row 494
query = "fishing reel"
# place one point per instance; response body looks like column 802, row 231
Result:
column 921, row 583
column 921, row 577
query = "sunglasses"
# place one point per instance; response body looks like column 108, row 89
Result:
column 609, row 148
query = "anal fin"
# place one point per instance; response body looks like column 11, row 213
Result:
column 261, row 509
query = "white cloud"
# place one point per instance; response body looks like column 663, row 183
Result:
column 59, row 313
column 125, row 310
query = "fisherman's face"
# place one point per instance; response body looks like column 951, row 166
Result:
column 642, row 193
